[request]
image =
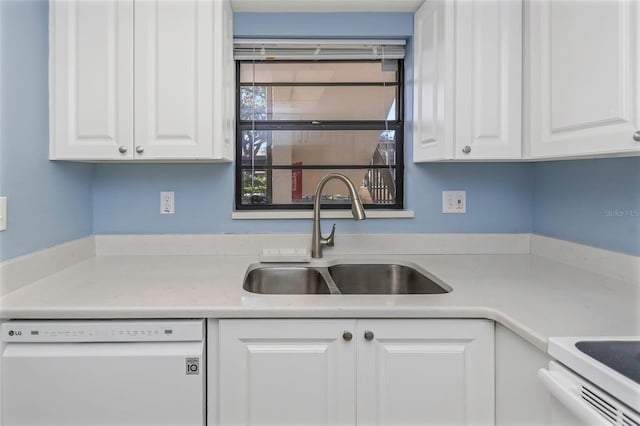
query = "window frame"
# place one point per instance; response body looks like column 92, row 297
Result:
column 275, row 125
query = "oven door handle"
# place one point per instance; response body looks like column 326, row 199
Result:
column 567, row 393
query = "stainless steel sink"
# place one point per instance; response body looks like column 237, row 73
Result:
column 344, row 278
column 285, row 280
column 382, row 279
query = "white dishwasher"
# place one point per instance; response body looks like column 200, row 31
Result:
column 107, row 373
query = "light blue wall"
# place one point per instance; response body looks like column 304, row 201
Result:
column 126, row 197
column 594, row 202
column 49, row 202
column 376, row 25
column 127, row 200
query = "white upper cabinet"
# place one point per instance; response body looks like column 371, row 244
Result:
column 433, row 76
column 168, row 102
column 91, row 79
column 224, row 81
column 488, row 80
column 467, row 73
column 173, row 79
column 585, row 78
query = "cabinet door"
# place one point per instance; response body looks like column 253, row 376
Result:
column 224, row 72
column 488, row 79
column 286, row 372
column 433, row 81
column 91, row 78
column 585, row 77
column 174, row 79
column 429, row 372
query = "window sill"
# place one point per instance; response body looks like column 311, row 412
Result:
column 326, row 214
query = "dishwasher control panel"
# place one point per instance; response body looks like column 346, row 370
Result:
column 103, row 331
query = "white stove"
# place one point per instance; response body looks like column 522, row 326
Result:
column 595, row 381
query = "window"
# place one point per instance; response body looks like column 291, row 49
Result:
column 299, row 119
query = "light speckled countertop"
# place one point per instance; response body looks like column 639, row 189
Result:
column 535, row 297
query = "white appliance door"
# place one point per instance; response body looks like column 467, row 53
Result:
column 566, row 406
column 114, row 384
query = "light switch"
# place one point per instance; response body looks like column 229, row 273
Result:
column 3, row 213
column 166, row 203
column 454, row 201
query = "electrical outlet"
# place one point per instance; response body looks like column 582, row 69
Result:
column 167, row 202
column 3, row 213
column 454, row 201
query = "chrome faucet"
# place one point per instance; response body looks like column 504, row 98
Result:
column 317, row 240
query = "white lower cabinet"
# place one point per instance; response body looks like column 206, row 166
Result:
column 278, row 372
column 347, row 372
column 437, row 372
column 521, row 398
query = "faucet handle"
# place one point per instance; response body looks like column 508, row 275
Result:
column 330, row 240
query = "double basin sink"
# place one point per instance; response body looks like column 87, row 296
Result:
column 343, row 278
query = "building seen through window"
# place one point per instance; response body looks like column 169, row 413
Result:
column 299, row 120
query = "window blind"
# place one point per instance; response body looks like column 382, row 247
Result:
column 311, row 49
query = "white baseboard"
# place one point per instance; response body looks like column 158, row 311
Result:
column 17, row 272
column 605, row 262
column 346, row 244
